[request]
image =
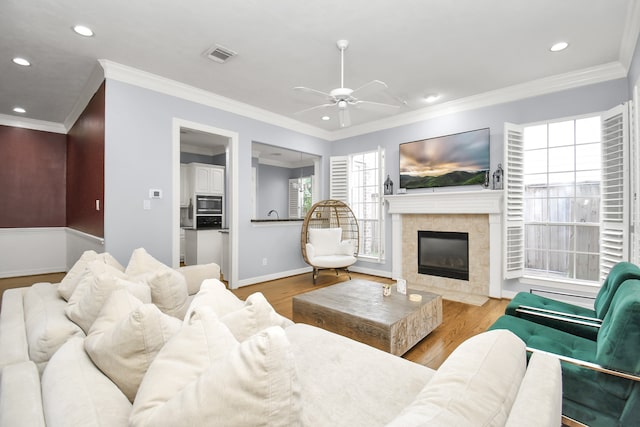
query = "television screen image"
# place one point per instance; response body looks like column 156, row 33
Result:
column 451, row 160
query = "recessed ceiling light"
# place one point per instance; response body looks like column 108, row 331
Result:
column 559, row 46
column 325, row 118
column 83, row 31
column 21, row 61
column 19, row 110
column 432, row 98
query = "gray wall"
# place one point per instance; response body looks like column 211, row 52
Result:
column 589, row 99
column 138, row 143
column 273, row 185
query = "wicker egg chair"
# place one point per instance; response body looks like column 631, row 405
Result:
column 330, row 237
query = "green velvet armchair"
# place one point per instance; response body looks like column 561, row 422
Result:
column 576, row 320
column 601, row 378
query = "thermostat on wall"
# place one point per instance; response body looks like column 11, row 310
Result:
column 155, row 194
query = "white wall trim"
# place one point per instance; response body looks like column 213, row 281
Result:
column 87, row 236
column 547, row 85
column 273, row 276
column 34, row 124
column 123, row 73
column 370, row 271
column 28, row 251
column 89, row 89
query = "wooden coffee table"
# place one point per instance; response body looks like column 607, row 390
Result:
column 358, row 310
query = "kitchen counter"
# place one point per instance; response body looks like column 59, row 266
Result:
column 278, row 220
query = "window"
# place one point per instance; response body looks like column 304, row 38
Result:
column 562, row 198
column 357, row 180
column 299, row 196
column 566, row 199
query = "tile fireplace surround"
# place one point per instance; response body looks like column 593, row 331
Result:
column 478, row 213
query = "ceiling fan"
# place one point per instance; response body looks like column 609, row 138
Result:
column 343, row 98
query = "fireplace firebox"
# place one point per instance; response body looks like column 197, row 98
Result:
column 444, row 254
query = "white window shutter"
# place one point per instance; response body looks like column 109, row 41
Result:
column 339, row 178
column 614, row 236
column 513, row 201
column 294, row 207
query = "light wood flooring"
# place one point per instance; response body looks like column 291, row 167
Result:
column 460, row 321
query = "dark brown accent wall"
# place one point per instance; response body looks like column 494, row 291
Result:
column 32, row 178
column 85, row 168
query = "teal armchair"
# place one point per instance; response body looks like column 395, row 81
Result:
column 574, row 319
column 601, row 378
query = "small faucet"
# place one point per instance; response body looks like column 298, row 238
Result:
column 273, row 211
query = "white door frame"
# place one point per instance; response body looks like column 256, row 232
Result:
column 231, row 196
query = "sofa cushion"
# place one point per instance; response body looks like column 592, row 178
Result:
column 21, row 401
column 126, row 337
column 213, row 293
column 71, row 280
column 76, row 393
column 325, row 241
column 47, row 327
column 94, row 289
column 251, row 383
column 476, row 385
column 168, row 286
column 242, row 318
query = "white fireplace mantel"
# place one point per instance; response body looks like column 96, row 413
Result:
column 453, row 202
column 483, row 202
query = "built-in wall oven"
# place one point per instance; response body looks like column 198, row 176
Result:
column 208, row 221
column 208, row 205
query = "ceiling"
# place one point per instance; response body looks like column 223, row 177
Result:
column 417, row 47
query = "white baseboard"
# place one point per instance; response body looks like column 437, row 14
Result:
column 371, row 271
column 274, row 276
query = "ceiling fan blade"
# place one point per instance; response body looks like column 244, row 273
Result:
column 374, row 105
column 316, row 92
column 373, row 84
column 317, row 107
column 345, row 118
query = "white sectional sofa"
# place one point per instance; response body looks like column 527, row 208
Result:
column 217, row 360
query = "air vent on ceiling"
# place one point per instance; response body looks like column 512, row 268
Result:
column 220, row 54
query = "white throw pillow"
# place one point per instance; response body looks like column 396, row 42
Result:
column 476, row 385
column 218, row 381
column 213, row 293
column 168, row 286
column 126, row 337
column 94, row 289
column 71, row 280
column 168, row 291
column 256, row 315
column 325, row 241
column 45, row 321
column 76, row 393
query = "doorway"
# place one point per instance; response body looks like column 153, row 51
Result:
column 194, row 141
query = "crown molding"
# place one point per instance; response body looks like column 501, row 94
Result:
column 34, row 124
column 125, row 74
column 88, row 90
column 557, row 83
column 630, row 34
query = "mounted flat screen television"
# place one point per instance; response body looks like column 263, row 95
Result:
column 450, row 160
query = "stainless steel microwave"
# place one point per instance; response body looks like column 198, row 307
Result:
column 208, row 205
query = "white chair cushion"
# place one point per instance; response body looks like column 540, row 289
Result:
column 47, row 326
column 333, row 261
column 476, row 385
column 249, row 384
column 71, row 280
column 76, row 393
column 325, row 241
column 126, row 337
column 94, row 289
